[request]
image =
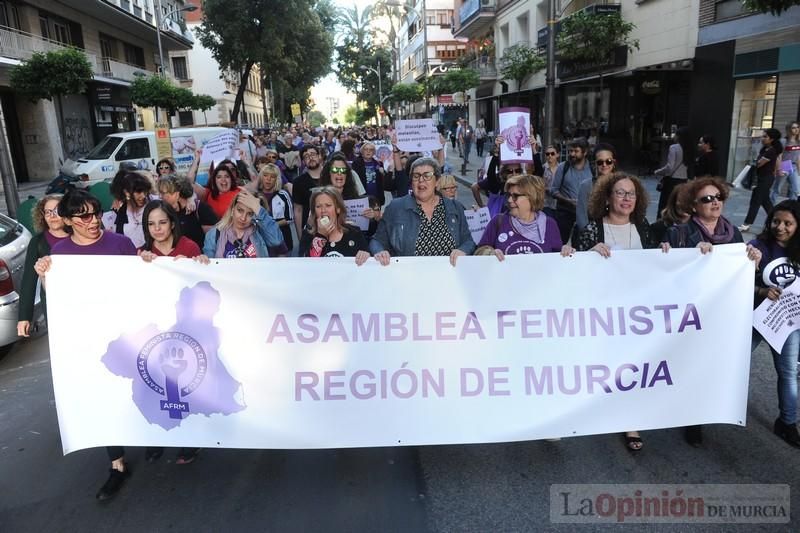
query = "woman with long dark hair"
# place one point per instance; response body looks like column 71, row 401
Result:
column 676, row 171
column 779, row 243
column 766, row 166
column 789, row 164
column 162, row 233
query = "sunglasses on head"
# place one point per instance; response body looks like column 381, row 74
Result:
column 707, row 199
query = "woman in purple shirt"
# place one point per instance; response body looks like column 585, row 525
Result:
column 525, row 229
column 81, row 213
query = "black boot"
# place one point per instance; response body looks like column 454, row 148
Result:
column 694, row 435
column 787, row 432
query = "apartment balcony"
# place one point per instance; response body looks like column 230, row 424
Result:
column 486, row 67
column 475, row 17
column 111, row 68
column 15, row 44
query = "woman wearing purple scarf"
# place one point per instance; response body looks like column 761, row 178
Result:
column 706, row 227
column 525, row 229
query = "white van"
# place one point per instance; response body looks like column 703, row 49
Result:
column 139, row 148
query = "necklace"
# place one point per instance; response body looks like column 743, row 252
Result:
column 610, row 231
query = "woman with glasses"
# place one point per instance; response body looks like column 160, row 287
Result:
column 496, row 175
column 81, row 214
column 447, row 186
column 605, row 161
column 766, row 168
column 424, row 223
column 338, row 174
column 165, row 167
column 50, row 230
column 617, row 208
column 245, row 231
column 327, row 233
column 706, row 227
column 525, row 229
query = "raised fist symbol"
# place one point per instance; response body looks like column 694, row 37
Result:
column 784, row 275
column 172, row 363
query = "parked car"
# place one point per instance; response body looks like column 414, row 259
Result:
column 14, row 239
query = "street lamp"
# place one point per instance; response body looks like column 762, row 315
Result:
column 380, row 90
column 159, row 21
column 421, row 16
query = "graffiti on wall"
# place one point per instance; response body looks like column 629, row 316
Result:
column 77, row 137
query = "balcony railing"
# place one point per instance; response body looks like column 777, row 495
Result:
column 20, row 45
column 121, row 71
column 486, row 67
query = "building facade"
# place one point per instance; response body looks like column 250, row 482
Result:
column 197, row 70
column 120, row 41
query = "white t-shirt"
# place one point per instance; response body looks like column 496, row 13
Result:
column 622, row 236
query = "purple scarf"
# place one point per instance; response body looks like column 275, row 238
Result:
column 723, row 232
column 229, row 235
column 534, row 230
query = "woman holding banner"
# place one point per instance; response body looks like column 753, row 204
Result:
column 617, row 208
column 779, row 244
column 525, row 229
column 327, row 233
column 706, row 228
column 422, row 224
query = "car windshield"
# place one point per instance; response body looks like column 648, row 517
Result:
column 104, row 149
column 8, row 230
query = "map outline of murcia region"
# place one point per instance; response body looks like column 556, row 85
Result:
column 178, row 372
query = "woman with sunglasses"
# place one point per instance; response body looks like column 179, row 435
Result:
column 605, row 161
column 766, row 167
column 617, row 208
column 525, row 229
column 327, row 233
column 706, row 227
column 780, row 256
column 549, row 168
column 424, row 223
column 338, row 174
column 245, row 231
column 50, row 230
column 81, row 214
column 165, row 167
column 496, row 175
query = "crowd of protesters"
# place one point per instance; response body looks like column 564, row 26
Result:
column 293, row 186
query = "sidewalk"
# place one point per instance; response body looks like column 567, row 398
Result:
column 735, row 207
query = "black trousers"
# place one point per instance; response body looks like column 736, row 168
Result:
column 759, row 198
column 667, row 185
column 118, row 452
column 565, row 220
column 479, row 146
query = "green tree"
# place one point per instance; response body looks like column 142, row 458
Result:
column 461, row 79
column 407, row 92
column 519, row 62
column 274, row 35
column 316, row 118
column 158, row 92
column 775, row 7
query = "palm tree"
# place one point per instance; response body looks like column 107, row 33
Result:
column 354, row 24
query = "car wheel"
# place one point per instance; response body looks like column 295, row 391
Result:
column 5, row 349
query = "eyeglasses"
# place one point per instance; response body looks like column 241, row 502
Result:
column 514, row 196
column 707, row 199
column 604, row 162
column 164, row 167
column 51, row 212
column 512, row 170
column 630, row 195
column 550, row 153
column 422, row 176
column 87, row 217
column 338, row 170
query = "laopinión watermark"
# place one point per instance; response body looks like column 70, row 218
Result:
column 709, row 504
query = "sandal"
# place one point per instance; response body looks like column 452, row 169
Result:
column 633, row 444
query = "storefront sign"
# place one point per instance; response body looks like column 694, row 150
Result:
column 651, row 87
column 163, row 141
column 571, row 69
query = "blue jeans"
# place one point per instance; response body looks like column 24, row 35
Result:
column 786, row 367
column 794, row 186
column 466, row 148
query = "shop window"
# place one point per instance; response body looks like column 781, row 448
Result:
column 754, row 107
column 134, row 149
column 586, row 111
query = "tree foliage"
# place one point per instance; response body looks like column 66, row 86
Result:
column 316, row 118
column 51, row 74
column 592, row 38
column 407, row 92
column 461, row 79
column 774, row 7
column 519, row 62
column 289, row 39
column 157, row 91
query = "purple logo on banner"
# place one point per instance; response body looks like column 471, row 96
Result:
column 171, row 367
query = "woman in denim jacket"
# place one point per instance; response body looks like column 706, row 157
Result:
column 245, row 230
column 422, row 224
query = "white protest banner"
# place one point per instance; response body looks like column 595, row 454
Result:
column 514, row 127
column 477, row 220
column 320, row 353
column 354, row 209
column 776, row 320
column 220, row 148
column 418, row 135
